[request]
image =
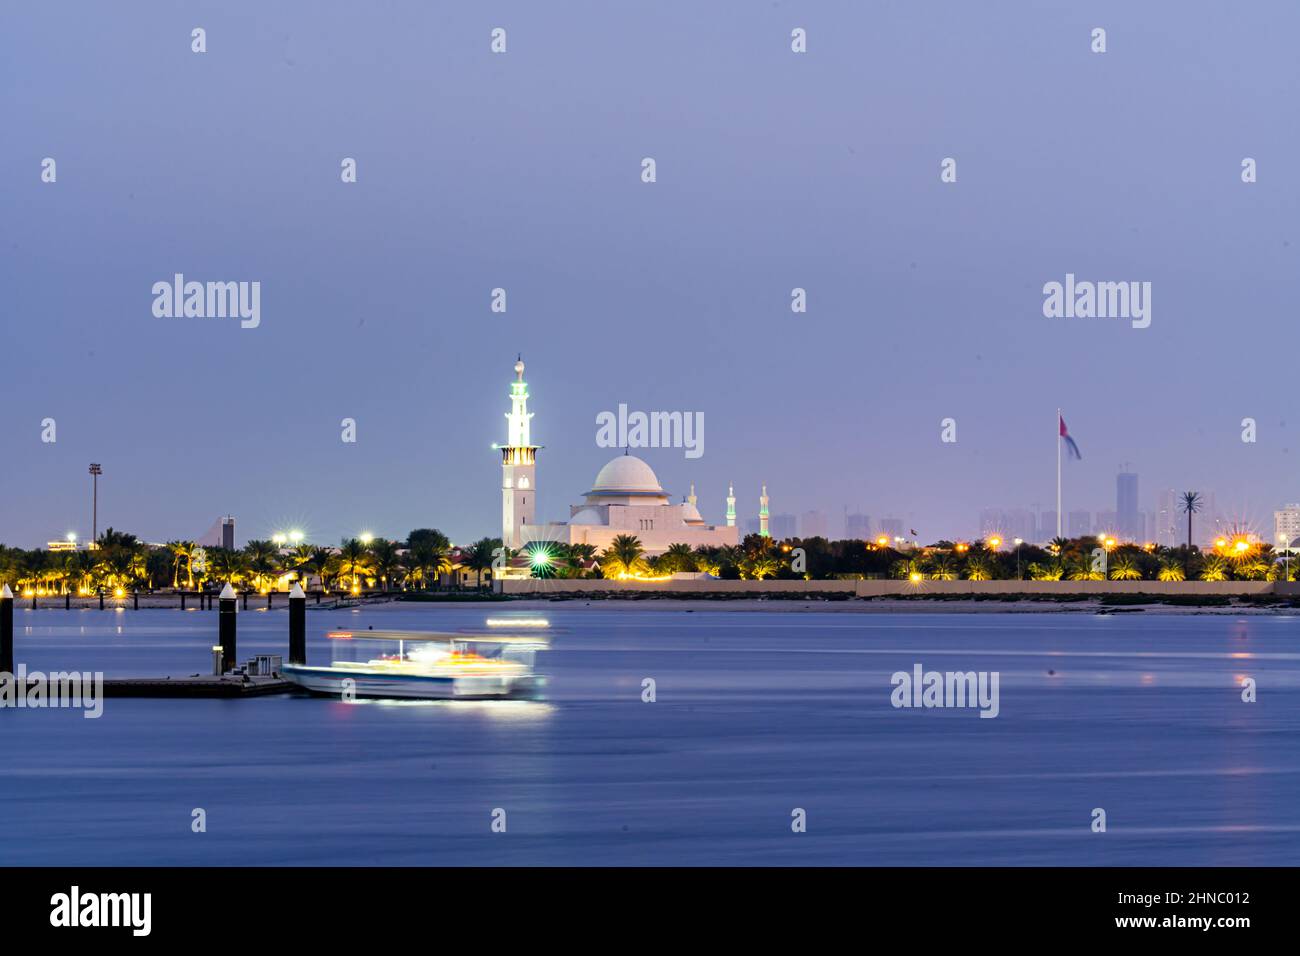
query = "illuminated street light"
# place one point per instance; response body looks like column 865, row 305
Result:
column 367, row 538
column 295, row 536
column 278, row 539
column 995, row 542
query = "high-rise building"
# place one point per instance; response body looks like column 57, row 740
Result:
column 784, row 526
column 1167, row 519
column 1080, row 523
column 228, row 533
column 1047, row 526
column 1107, row 523
column 857, row 527
column 812, row 524
column 1286, row 526
column 1128, row 519
column 891, row 527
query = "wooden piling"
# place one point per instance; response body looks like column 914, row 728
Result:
column 226, row 626
column 6, row 630
column 297, row 625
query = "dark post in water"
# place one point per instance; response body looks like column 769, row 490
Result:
column 6, row 631
column 297, row 625
column 226, row 627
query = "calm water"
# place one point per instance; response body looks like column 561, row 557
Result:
column 757, row 713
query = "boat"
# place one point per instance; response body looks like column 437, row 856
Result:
column 427, row 666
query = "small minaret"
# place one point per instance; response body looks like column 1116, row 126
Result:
column 691, row 497
column 762, row 513
column 518, row 465
column 731, row 506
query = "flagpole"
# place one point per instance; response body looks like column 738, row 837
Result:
column 1058, row 472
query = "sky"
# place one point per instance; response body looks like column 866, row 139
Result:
column 523, row 170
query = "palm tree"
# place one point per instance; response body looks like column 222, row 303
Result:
column 354, row 561
column 227, row 565
column 1191, row 505
column 761, row 566
column 623, row 556
column 386, row 560
column 1171, row 570
column 679, row 557
column 263, row 561
column 1216, row 569
column 1125, row 568
column 480, row 555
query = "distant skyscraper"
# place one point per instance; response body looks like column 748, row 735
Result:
column 1129, row 522
column 1080, row 523
column 857, row 527
column 228, row 533
column 892, row 527
column 1107, row 523
column 812, row 524
column 1047, row 526
column 784, row 526
column 1167, row 519
column 1286, row 525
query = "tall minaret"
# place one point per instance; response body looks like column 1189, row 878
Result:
column 518, row 465
column 762, row 513
column 731, row 506
column 691, row 497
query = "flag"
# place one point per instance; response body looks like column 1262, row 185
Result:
column 1074, row 449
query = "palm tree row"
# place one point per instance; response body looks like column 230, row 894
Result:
column 120, row 562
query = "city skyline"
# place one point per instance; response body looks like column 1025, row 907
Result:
column 924, row 298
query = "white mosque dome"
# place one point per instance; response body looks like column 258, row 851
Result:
column 626, row 475
column 587, row 516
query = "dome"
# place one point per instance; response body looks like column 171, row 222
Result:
column 626, row 475
column 587, row 516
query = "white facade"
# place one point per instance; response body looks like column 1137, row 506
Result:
column 625, row 498
column 518, row 465
column 1286, row 526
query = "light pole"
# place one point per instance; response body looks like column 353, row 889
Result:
column 1019, row 542
column 95, row 472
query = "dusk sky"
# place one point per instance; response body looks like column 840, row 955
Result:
column 522, row 170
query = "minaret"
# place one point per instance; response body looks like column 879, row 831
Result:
column 691, row 497
column 518, row 465
column 731, row 506
column 762, row 513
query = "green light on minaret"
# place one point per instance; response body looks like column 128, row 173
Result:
column 731, row 506
column 762, row 514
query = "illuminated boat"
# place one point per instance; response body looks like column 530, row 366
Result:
column 426, row 666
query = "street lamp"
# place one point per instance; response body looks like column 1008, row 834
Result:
column 95, row 472
column 1019, row 542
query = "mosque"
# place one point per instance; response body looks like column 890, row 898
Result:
column 625, row 498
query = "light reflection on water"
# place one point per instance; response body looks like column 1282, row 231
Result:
column 756, row 713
